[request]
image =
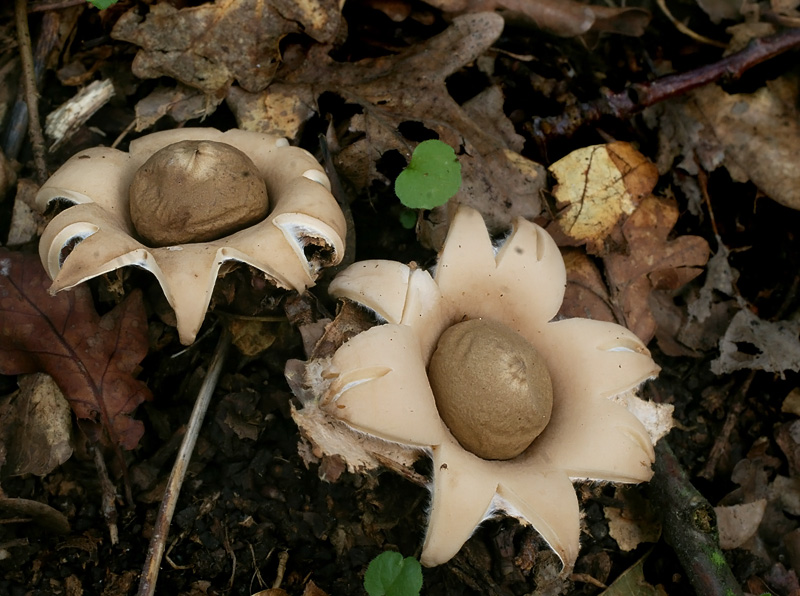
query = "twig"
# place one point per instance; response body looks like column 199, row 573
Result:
column 155, row 550
column 31, row 93
column 642, row 95
column 690, row 527
column 109, row 496
column 14, row 133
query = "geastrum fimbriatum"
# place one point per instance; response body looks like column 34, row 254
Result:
column 471, row 367
column 179, row 203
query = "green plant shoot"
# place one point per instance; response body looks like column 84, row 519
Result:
column 432, row 176
column 102, row 4
column 389, row 574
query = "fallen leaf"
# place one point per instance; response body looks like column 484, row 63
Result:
column 634, row 522
column 599, row 186
column 751, row 342
column 651, row 262
column 36, row 427
column 410, row 87
column 181, row 103
column 586, row 295
column 755, row 136
column 738, row 523
column 211, row 45
column 633, row 583
column 92, row 358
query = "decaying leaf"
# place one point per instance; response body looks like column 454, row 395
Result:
column 738, row 523
column 751, row 342
column 36, row 427
column 651, row 262
column 597, row 187
column 210, row 45
column 410, row 88
column 566, row 18
column 586, row 295
column 279, row 110
column 755, row 136
column 181, row 103
column 92, row 358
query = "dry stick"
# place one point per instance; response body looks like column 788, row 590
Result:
column 690, row 527
column 155, row 551
column 642, row 95
column 31, row 93
column 14, row 133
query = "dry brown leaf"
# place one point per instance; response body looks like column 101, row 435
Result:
column 36, row 427
column 586, row 295
column 210, row 45
column 755, row 136
column 181, row 103
column 598, row 187
column 92, row 358
column 279, row 110
column 410, row 87
column 651, row 262
column 770, row 346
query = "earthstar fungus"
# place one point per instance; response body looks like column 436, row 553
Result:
column 182, row 202
column 378, row 383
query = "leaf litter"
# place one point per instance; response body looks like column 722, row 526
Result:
column 638, row 259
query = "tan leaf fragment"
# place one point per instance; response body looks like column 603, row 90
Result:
column 181, row 103
column 279, row 110
column 651, row 262
column 738, row 523
column 37, row 427
column 210, row 45
column 778, row 349
column 597, row 187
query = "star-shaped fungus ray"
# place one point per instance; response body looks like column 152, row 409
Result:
column 525, row 280
column 303, row 231
column 399, row 381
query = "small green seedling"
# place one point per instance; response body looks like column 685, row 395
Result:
column 432, row 176
column 102, row 4
column 389, row 574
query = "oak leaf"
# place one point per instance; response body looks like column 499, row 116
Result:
column 92, row 358
column 651, row 261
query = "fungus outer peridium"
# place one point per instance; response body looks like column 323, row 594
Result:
column 492, row 388
column 378, row 384
column 196, row 191
column 96, row 182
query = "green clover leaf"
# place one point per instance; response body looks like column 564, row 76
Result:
column 433, row 176
column 389, row 574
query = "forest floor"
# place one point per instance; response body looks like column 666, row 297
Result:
column 698, row 253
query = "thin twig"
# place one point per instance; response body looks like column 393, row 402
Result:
column 155, row 551
column 690, row 527
column 109, row 496
column 639, row 96
column 735, row 409
column 14, row 133
column 31, row 93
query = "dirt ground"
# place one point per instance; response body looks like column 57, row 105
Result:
column 701, row 262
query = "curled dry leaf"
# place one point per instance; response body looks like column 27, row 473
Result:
column 92, row 358
column 210, row 45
